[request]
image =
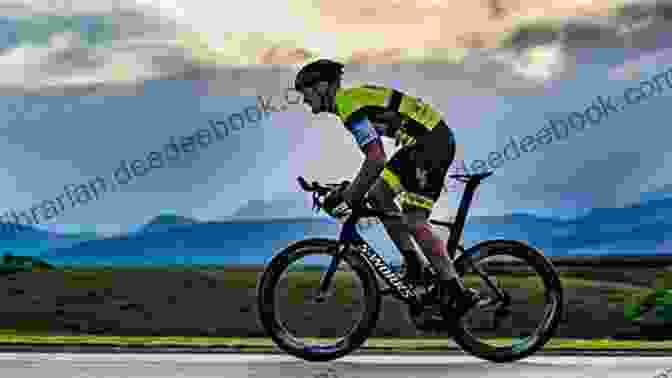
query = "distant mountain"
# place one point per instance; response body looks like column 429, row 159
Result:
column 647, row 223
column 20, row 231
column 664, row 191
column 31, row 241
column 199, row 243
column 167, row 221
column 634, row 229
column 262, row 228
column 13, row 231
column 291, row 206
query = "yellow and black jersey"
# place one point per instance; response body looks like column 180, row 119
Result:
column 360, row 109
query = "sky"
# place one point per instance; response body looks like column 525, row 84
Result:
column 107, row 99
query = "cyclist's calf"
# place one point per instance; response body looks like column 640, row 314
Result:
column 383, row 199
column 415, row 222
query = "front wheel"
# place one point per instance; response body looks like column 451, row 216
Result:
column 306, row 324
column 522, row 305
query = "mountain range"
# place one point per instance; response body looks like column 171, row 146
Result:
column 260, row 229
column 290, row 206
column 166, row 222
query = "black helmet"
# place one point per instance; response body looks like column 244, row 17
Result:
column 319, row 70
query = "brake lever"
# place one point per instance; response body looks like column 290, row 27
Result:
column 316, row 202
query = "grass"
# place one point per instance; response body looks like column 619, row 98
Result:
column 247, row 278
column 302, row 285
column 242, row 277
column 88, row 279
column 616, row 293
column 103, row 277
column 307, row 282
column 156, row 268
column 9, row 337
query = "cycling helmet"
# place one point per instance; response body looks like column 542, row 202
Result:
column 320, row 70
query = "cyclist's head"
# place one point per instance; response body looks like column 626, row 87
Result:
column 318, row 82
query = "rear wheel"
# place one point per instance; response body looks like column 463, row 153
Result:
column 501, row 331
column 308, row 326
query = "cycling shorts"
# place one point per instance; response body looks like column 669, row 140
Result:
column 417, row 172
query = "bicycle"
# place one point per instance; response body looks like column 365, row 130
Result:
column 352, row 255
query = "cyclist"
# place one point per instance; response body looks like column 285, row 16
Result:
column 416, row 171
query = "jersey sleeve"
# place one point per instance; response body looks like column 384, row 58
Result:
column 363, row 132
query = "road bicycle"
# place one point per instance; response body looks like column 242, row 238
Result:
column 339, row 264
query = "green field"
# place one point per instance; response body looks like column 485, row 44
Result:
column 247, row 278
column 390, row 344
column 76, row 283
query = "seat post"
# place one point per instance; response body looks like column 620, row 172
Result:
column 461, row 217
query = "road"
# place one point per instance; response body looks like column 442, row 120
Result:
column 75, row 365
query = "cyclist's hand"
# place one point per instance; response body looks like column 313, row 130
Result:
column 335, row 205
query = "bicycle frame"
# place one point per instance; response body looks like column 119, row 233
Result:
column 351, row 239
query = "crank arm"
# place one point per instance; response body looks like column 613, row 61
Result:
column 500, row 294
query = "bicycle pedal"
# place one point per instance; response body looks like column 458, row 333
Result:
column 431, row 323
column 429, row 319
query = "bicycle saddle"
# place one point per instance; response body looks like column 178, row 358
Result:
column 476, row 176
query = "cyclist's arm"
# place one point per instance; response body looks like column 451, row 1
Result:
column 392, row 121
column 369, row 142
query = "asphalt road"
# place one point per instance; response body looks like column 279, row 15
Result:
column 70, row 365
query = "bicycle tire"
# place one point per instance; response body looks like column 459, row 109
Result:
column 551, row 280
column 267, row 306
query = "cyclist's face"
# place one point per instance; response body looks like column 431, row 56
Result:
column 316, row 97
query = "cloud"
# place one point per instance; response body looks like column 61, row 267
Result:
column 103, row 109
column 87, row 45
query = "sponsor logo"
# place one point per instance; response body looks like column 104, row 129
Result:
column 391, row 277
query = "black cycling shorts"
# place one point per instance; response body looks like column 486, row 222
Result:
column 418, row 171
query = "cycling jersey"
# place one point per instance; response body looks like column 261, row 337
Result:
column 358, row 106
column 418, row 169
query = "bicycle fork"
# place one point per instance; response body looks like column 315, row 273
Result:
column 325, row 280
column 398, row 287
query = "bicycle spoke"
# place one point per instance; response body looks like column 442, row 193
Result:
column 309, row 308
column 518, row 305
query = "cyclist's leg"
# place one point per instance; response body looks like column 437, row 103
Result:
column 383, row 195
column 417, row 205
column 383, row 198
column 432, row 156
column 421, row 170
column 418, row 194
